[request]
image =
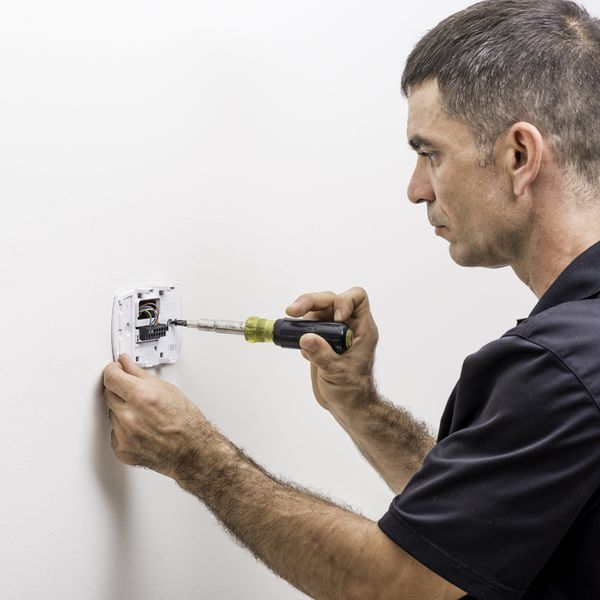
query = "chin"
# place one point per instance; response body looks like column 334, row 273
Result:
column 468, row 257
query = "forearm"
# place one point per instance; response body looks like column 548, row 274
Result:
column 324, row 550
column 315, row 545
column 389, row 437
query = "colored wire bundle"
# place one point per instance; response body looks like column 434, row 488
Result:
column 150, row 310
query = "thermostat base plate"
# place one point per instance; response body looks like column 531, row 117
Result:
column 131, row 325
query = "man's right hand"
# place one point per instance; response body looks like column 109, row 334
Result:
column 341, row 382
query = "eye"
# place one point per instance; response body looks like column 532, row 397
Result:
column 427, row 155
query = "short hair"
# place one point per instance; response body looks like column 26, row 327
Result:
column 503, row 61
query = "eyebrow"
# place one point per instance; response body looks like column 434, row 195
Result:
column 416, row 142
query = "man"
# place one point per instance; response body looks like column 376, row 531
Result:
column 504, row 112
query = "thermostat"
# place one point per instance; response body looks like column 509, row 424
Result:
column 141, row 324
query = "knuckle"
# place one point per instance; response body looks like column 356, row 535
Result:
column 322, row 364
column 335, row 374
column 302, row 297
column 135, row 397
column 110, row 397
column 360, row 292
column 137, row 394
column 327, row 363
column 338, row 367
column 152, row 398
column 128, row 422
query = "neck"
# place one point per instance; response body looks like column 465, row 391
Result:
column 556, row 239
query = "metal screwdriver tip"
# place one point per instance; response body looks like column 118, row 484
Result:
column 177, row 322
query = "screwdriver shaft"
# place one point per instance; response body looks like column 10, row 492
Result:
column 231, row 327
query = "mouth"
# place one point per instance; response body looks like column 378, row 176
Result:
column 433, row 222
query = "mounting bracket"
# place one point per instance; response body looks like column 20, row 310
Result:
column 139, row 324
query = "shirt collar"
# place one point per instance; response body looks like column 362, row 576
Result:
column 580, row 280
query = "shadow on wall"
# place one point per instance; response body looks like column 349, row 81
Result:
column 113, row 480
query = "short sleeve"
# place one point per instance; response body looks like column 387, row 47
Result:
column 520, row 459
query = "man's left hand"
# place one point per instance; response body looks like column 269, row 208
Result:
column 154, row 424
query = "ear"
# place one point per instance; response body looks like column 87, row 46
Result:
column 523, row 149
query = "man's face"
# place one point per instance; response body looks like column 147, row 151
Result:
column 470, row 205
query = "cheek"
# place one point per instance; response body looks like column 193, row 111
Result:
column 450, row 193
column 467, row 201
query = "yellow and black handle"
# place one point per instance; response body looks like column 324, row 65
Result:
column 287, row 332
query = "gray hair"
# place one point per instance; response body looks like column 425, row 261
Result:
column 503, row 61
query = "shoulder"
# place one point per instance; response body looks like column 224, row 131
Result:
column 546, row 367
column 565, row 322
column 570, row 332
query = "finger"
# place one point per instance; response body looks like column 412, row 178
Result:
column 130, row 367
column 318, row 351
column 119, row 430
column 317, row 301
column 114, row 442
column 351, row 304
column 117, row 449
column 114, row 402
column 116, row 426
column 116, row 380
column 319, row 315
column 119, row 443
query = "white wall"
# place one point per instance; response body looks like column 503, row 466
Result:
column 249, row 152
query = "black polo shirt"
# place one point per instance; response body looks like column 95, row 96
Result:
column 507, row 504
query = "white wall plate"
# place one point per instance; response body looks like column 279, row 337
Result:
column 139, row 324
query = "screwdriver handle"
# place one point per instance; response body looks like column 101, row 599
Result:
column 287, row 333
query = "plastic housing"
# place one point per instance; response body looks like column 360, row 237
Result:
column 127, row 323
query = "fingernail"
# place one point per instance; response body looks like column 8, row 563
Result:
column 310, row 345
column 338, row 315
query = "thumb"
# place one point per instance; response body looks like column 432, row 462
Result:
column 130, row 367
column 317, row 350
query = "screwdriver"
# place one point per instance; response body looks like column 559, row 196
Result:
column 282, row 332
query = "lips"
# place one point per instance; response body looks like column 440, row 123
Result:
column 434, row 222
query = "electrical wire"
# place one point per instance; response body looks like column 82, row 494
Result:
column 151, row 309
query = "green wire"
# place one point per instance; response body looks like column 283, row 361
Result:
column 151, row 310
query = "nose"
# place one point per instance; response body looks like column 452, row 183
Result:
column 420, row 188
